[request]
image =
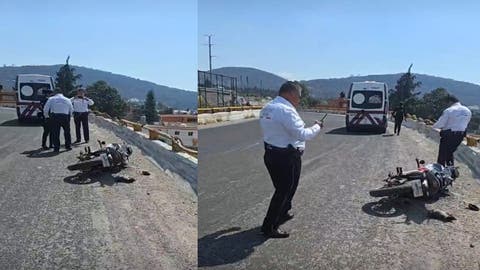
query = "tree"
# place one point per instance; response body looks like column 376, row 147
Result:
column 66, row 79
column 151, row 108
column 107, row 99
column 306, row 100
column 405, row 90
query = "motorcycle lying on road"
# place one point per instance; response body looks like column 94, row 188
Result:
column 426, row 181
column 109, row 157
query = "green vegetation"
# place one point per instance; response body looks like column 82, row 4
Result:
column 430, row 106
column 151, row 112
column 66, row 79
column 107, row 99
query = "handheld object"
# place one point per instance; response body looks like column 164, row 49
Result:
column 325, row 116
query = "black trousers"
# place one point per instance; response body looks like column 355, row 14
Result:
column 398, row 125
column 47, row 127
column 81, row 119
column 449, row 141
column 284, row 168
column 60, row 121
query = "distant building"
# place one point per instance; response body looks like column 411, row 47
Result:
column 175, row 119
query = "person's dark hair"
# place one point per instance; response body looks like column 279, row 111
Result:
column 289, row 86
column 452, row 99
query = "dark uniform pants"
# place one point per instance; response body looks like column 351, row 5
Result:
column 81, row 118
column 284, row 168
column 449, row 141
column 47, row 128
column 60, row 121
column 398, row 125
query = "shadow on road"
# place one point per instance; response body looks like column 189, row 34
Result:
column 104, row 178
column 40, row 153
column 225, row 247
column 415, row 210
column 343, row 131
column 15, row 123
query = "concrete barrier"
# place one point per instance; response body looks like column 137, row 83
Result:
column 210, row 118
column 173, row 164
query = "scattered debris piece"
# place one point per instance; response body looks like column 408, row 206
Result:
column 471, row 245
column 148, row 193
column 473, row 207
column 145, row 173
column 440, row 215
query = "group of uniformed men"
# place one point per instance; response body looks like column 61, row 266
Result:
column 57, row 111
column 285, row 133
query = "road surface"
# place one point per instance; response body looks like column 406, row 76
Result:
column 52, row 219
column 335, row 225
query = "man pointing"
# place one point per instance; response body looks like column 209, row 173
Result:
column 284, row 135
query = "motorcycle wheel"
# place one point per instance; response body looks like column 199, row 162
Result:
column 86, row 165
column 402, row 190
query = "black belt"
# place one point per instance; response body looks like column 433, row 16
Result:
column 290, row 148
column 453, row 132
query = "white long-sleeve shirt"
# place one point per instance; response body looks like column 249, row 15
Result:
column 282, row 125
column 455, row 117
column 58, row 104
column 81, row 104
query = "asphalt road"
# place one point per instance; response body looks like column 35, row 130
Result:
column 51, row 220
column 337, row 225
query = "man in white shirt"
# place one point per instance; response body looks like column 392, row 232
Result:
column 284, row 136
column 59, row 108
column 453, row 125
column 80, row 114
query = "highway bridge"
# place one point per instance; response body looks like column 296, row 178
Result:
column 52, row 218
column 337, row 225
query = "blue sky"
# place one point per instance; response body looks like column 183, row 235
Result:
column 150, row 40
column 337, row 38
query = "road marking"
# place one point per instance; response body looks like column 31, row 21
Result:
column 241, row 148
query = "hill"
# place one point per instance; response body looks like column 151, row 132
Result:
column 468, row 93
column 127, row 87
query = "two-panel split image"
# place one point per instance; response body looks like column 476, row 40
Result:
column 209, row 134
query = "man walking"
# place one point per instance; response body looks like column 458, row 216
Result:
column 80, row 114
column 398, row 114
column 453, row 125
column 46, row 123
column 284, row 136
column 59, row 109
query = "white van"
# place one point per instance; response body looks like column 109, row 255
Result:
column 30, row 93
column 367, row 106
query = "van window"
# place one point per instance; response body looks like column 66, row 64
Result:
column 364, row 99
column 33, row 91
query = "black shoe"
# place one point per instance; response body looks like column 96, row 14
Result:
column 285, row 218
column 68, row 148
column 44, row 147
column 56, row 150
column 77, row 141
column 275, row 233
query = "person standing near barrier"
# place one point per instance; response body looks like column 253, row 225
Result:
column 398, row 114
column 453, row 128
column 80, row 114
column 284, row 136
column 59, row 109
column 46, row 123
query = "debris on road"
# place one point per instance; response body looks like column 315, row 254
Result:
column 145, row 173
column 440, row 215
column 473, row 207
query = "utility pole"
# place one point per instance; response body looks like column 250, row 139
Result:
column 210, row 52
